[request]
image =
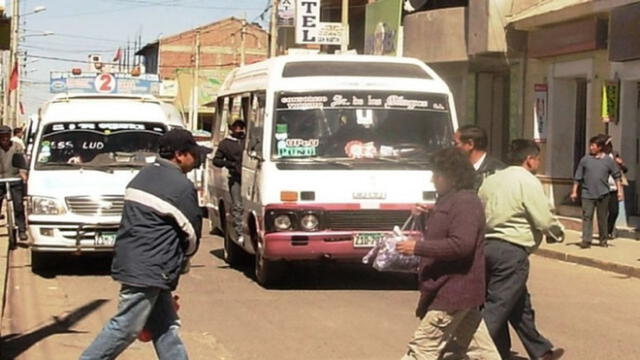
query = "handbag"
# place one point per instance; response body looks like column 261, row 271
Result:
column 384, row 257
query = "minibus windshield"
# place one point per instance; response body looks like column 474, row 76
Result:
column 98, row 144
column 361, row 126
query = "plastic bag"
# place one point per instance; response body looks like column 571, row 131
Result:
column 384, row 256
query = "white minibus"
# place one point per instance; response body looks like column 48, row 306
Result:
column 337, row 153
column 86, row 150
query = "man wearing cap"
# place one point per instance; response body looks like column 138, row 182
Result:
column 229, row 155
column 13, row 165
column 160, row 230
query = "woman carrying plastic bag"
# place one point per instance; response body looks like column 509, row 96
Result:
column 451, row 272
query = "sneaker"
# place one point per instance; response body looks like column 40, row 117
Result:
column 23, row 235
column 584, row 245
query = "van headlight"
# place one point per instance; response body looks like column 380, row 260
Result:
column 309, row 222
column 45, row 206
column 282, row 222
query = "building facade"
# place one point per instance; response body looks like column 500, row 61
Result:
column 207, row 53
column 582, row 79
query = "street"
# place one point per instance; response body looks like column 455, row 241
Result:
column 322, row 311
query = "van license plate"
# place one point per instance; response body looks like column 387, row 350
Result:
column 106, row 239
column 366, row 239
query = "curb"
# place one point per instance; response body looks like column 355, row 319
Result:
column 627, row 270
column 4, row 272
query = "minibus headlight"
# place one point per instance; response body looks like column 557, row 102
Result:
column 45, row 206
column 282, row 222
column 309, row 222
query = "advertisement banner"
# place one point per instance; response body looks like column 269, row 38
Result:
column 309, row 29
column 106, row 83
column 382, row 28
column 540, row 117
column 610, row 101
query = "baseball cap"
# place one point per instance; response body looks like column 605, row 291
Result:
column 182, row 140
column 5, row 130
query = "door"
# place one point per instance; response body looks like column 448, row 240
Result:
column 580, row 145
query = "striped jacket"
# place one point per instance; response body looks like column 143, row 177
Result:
column 161, row 226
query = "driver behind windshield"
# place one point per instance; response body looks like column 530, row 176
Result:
column 13, row 165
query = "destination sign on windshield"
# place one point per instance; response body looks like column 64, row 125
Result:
column 363, row 100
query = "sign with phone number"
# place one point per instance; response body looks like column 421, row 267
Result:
column 102, row 83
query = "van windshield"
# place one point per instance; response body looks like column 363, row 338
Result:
column 361, row 126
column 98, row 144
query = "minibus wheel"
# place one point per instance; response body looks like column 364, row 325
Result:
column 268, row 272
column 233, row 253
column 39, row 261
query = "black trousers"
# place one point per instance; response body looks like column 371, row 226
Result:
column 613, row 212
column 17, row 196
column 601, row 205
column 508, row 300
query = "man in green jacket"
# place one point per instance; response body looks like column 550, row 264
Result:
column 518, row 215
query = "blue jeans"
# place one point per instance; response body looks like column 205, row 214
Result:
column 140, row 307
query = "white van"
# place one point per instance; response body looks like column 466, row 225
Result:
column 86, row 150
column 337, row 153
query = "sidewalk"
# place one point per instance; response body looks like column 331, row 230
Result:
column 622, row 256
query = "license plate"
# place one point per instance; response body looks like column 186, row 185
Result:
column 105, row 239
column 366, row 239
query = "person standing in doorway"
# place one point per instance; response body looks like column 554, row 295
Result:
column 592, row 177
column 614, row 203
column 518, row 214
column 473, row 140
column 159, row 232
column 452, row 272
column 229, row 156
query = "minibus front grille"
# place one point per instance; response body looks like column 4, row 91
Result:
column 382, row 220
column 106, row 205
column 84, row 233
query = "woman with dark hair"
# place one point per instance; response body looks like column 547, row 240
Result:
column 614, row 202
column 452, row 273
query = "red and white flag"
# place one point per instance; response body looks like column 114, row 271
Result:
column 118, row 55
column 13, row 79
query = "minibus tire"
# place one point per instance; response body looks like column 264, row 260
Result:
column 234, row 255
column 268, row 273
column 39, row 261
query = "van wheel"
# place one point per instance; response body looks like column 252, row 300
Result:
column 234, row 254
column 39, row 261
column 268, row 273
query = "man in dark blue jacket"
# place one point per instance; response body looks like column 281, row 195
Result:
column 160, row 230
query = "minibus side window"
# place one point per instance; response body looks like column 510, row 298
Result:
column 255, row 123
column 223, row 117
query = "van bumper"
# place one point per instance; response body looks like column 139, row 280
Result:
column 72, row 237
column 313, row 246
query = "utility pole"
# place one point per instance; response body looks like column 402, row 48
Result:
column 193, row 115
column 274, row 29
column 242, row 37
column 8, row 102
column 344, row 43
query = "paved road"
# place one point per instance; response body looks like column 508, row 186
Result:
column 323, row 312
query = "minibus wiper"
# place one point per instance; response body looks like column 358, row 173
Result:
column 407, row 162
column 95, row 167
column 331, row 162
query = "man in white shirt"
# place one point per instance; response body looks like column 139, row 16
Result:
column 472, row 139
